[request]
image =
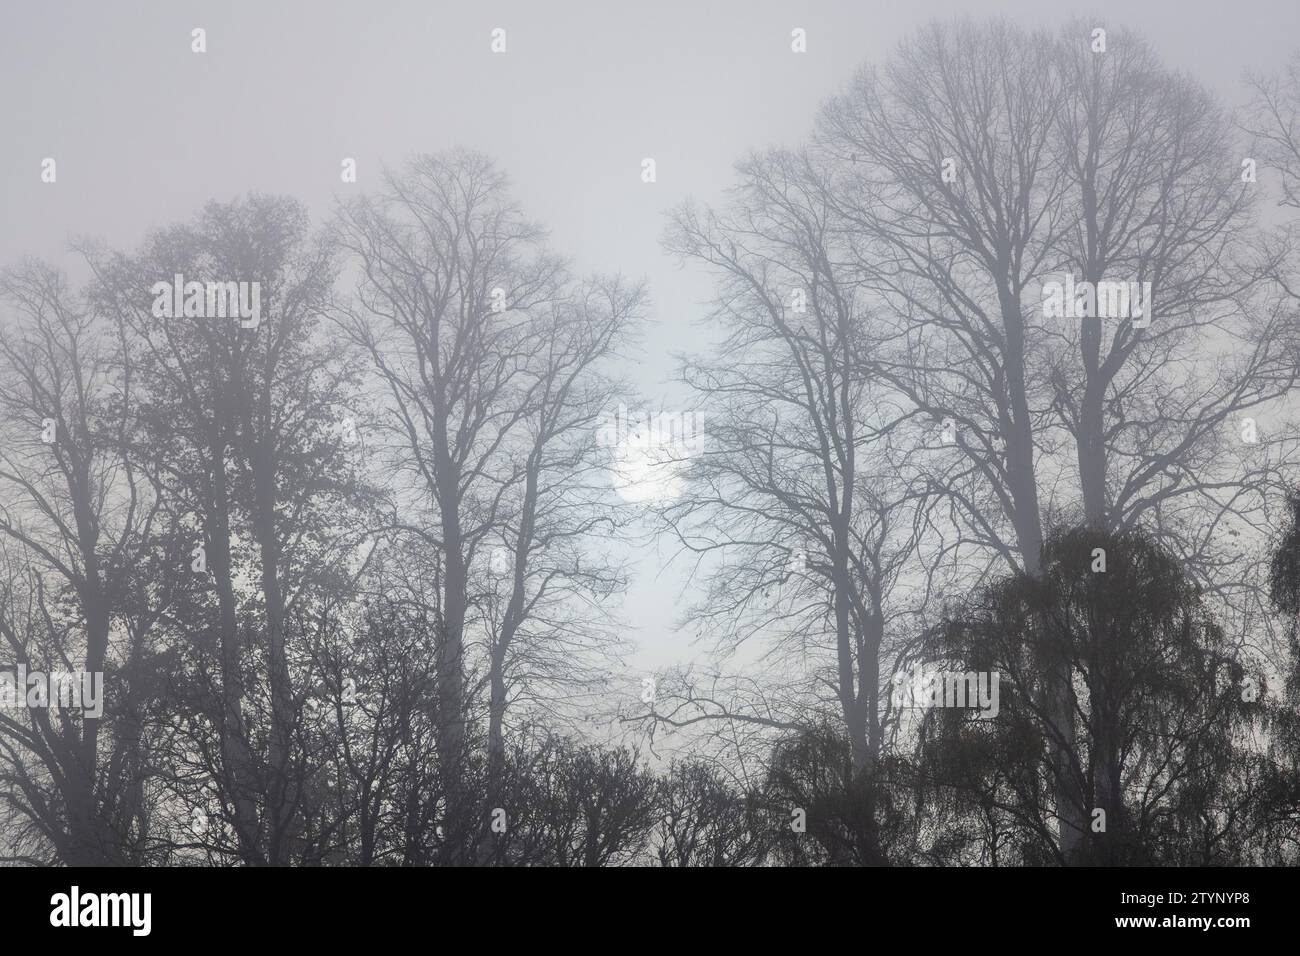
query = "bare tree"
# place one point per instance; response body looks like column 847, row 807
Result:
column 242, row 425
column 982, row 163
column 489, row 359
column 706, row 820
column 75, row 509
column 1274, row 123
column 544, row 624
column 799, row 509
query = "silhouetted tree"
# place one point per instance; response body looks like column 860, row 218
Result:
column 1160, row 701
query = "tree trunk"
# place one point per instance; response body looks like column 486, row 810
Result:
column 236, row 758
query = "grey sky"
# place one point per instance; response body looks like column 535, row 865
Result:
column 144, row 131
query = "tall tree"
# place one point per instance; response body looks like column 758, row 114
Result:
column 488, row 356
column 244, row 423
column 75, row 509
column 984, row 162
column 798, row 507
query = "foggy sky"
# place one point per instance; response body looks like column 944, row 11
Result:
column 144, row 131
